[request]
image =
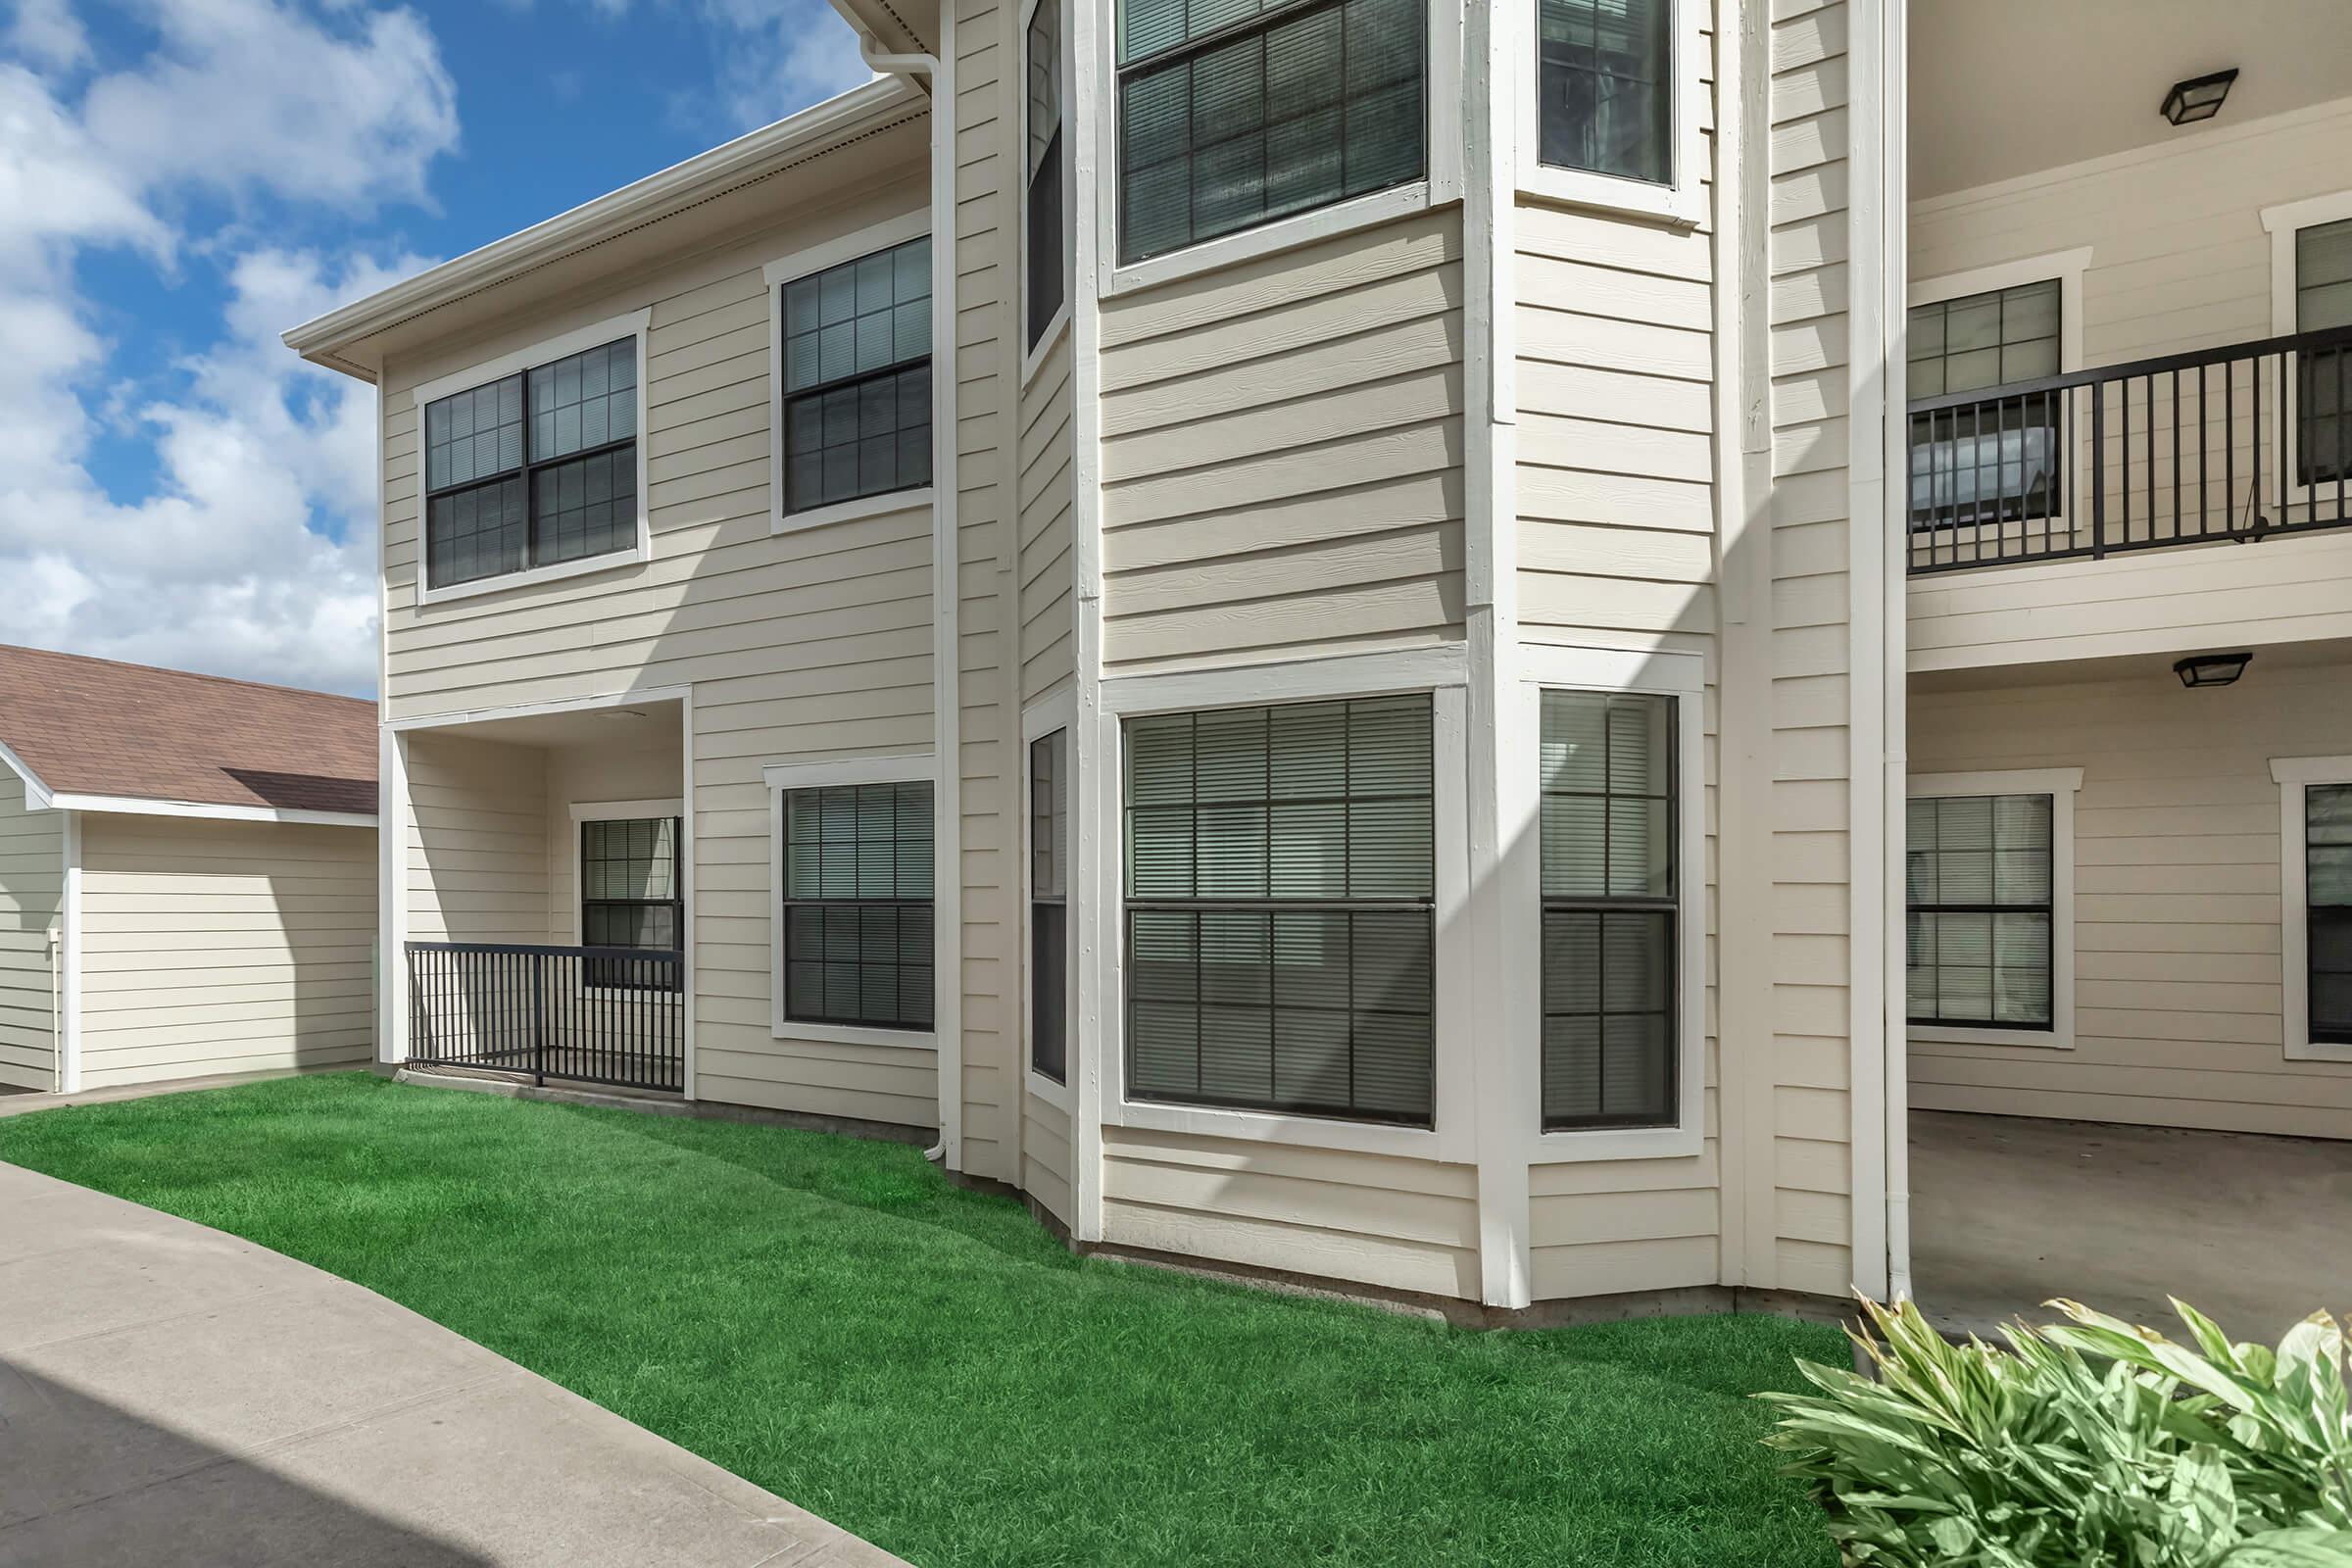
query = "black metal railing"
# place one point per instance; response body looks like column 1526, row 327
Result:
column 599, row 1016
column 2231, row 443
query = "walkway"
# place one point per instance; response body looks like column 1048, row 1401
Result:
column 170, row 1393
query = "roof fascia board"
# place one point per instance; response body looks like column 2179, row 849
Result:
column 656, row 196
column 135, row 806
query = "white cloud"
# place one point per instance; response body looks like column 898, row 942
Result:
column 254, row 555
column 48, row 31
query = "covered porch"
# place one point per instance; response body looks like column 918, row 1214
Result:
column 543, row 904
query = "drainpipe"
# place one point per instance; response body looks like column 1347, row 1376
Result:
column 938, row 74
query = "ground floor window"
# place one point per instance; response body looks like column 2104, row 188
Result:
column 857, row 896
column 631, row 897
column 1280, row 884
column 1981, row 913
column 2328, row 912
column 1049, row 904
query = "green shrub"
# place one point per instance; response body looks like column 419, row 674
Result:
column 2088, row 1443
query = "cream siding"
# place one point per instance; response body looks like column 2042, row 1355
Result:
column 224, row 947
column 1045, row 1155
column 1047, row 643
column 477, row 862
column 1281, row 455
column 2179, row 260
column 32, row 883
column 2176, row 897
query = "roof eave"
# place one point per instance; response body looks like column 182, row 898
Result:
column 656, row 196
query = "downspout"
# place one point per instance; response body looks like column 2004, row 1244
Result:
column 937, row 72
column 1896, row 110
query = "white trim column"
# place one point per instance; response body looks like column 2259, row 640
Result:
column 69, row 963
column 392, row 897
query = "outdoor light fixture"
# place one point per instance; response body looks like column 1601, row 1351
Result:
column 2198, row 98
column 2211, row 669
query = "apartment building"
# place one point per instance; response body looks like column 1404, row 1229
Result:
column 1454, row 647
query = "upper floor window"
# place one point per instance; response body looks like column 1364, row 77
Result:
column 1045, row 255
column 2323, row 300
column 1604, row 74
column 858, row 378
column 533, row 469
column 1234, row 113
column 1986, row 462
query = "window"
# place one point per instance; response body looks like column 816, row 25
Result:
column 1977, row 463
column 1049, row 904
column 1611, row 898
column 1234, row 113
column 1280, row 877
column 2328, row 912
column 858, row 378
column 858, row 905
column 533, row 469
column 1982, row 904
column 630, row 896
column 1042, row 202
column 1605, row 87
column 2322, row 299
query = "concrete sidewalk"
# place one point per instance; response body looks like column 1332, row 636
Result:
column 170, row 1393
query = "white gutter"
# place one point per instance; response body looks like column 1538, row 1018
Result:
column 947, row 698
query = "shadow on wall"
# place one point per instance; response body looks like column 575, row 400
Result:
column 86, row 1482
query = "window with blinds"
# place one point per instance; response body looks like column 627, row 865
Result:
column 1604, row 85
column 1046, row 258
column 1611, row 904
column 1233, row 113
column 1985, row 465
column 1981, row 890
column 1281, row 887
column 1049, row 904
column 630, row 894
column 532, row 470
column 2323, row 300
column 858, row 378
column 858, row 905
column 2327, row 902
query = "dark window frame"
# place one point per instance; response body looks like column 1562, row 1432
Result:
column 1666, row 906
column 816, row 392
column 2047, row 909
column 1275, row 908
column 531, row 468
column 615, row 975
column 1125, row 73
column 1045, row 220
column 787, row 904
column 1934, row 433
column 2314, row 370
column 2314, row 914
column 1049, row 1006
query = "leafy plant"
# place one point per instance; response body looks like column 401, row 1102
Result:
column 2090, row 1443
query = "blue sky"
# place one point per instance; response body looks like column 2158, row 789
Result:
column 182, row 179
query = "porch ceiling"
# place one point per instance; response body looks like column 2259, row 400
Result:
column 635, row 728
column 2002, row 88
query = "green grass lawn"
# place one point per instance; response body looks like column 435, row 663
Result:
column 925, row 1366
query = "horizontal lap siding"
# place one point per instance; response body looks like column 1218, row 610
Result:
column 1401, row 1224
column 1046, row 1156
column 1047, row 641
column 1282, row 447
column 32, row 881
column 477, row 841
column 2177, row 859
column 1805, row 1216
column 224, row 947
column 2179, row 260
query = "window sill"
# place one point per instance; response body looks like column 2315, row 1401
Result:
column 844, row 1034
column 1678, row 206
column 2318, row 1051
column 851, row 510
column 1944, row 1034
column 1267, row 239
column 1568, row 1146
column 1275, row 1127
column 1056, row 330
column 1053, row 1094
column 535, row 576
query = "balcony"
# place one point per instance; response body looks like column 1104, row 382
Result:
column 593, row 1015
column 2232, row 444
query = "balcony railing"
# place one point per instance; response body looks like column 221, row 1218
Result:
column 599, row 1016
column 2233, row 443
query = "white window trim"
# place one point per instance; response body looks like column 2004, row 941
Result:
column 2283, row 222
column 2061, row 785
column 1034, row 356
column 1038, row 720
column 633, row 324
column 788, row 268
column 1442, row 673
column 906, row 767
column 2294, row 774
column 1681, row 202
column 1441, row 182
column 619, row 812
column 1661, row 673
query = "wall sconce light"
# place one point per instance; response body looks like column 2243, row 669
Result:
column 2211, row 669
column 2198, row 98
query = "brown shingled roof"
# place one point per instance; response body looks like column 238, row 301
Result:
column 90, row 726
